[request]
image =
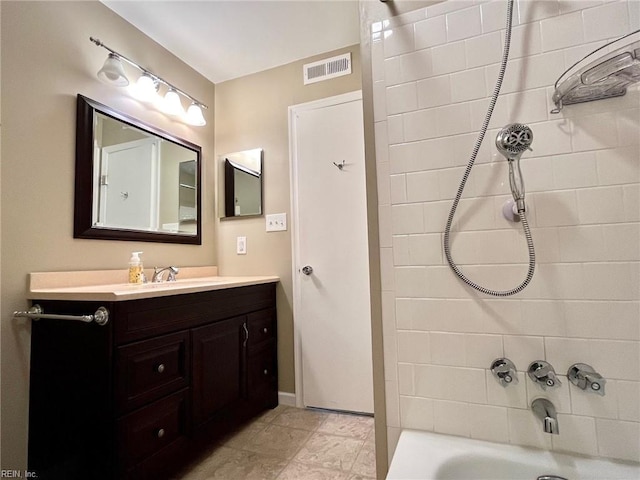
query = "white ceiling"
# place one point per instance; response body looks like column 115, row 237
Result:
column 226, row 39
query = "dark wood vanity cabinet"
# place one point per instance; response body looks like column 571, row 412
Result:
column 140, row 396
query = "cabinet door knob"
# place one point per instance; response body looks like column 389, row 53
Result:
column 160, row 368
column 264, row 330
column 160, row 433
column 266, row 372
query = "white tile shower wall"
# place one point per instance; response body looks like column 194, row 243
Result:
column 434, row 70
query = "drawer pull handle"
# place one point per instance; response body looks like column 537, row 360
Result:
column 160, row 433
column 266, row 372
column 264, row 330
column 160, row 368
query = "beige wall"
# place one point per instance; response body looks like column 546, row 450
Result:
column 252, row 112
column 47, row 59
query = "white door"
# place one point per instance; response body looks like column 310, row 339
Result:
column 129, row 185
column 331, row 306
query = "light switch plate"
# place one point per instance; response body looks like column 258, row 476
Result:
column 241, row 245
column 276, row 222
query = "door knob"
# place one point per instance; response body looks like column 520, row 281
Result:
column 307, row 269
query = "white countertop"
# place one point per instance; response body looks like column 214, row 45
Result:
column 110, row 285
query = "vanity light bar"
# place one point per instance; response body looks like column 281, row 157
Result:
column 113, row 55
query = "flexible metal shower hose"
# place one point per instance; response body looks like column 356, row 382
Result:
column 456, row 200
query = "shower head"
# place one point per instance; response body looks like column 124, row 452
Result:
column 513, row 140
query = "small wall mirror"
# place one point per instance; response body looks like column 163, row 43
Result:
column 243, row 183
column 133, row 181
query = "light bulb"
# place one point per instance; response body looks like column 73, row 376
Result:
column 194, row 115
column 145, row 89
column 172, row 104
column 112, row 72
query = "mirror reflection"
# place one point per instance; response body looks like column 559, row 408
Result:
column 144, row 183
column 188, row 186
column 243, row 183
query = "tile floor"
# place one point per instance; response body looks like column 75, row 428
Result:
column 290, row 443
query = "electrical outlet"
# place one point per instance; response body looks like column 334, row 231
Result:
column 276, row 222
column 241, row 245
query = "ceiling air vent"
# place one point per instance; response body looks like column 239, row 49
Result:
column 326, row 69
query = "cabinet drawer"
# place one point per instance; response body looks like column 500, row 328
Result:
column 152, row 428
column 150, row 369
column 149, row 317
column 262, row 326
column 263, row 373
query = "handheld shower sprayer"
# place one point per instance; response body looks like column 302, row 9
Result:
column 512, row 141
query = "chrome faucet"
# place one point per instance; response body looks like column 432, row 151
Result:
column 545, row 411
column 171, row 276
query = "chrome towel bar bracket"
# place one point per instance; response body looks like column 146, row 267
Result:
column 36, row 312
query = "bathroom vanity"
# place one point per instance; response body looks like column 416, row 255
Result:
column 173, row 369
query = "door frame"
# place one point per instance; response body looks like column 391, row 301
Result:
column 295, row 234
column 100, row 192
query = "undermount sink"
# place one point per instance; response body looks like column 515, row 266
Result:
column 191, row 281
column 178, row 283
column 197, row 280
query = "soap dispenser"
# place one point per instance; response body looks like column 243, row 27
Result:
column 136, row 270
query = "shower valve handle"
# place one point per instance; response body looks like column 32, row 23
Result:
column 586, row 378
column 543, row 374
column 505, row 371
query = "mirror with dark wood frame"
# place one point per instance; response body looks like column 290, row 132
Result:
column 134, row 181
column 243, row 183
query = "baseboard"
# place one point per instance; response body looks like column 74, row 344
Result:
column 286, row 398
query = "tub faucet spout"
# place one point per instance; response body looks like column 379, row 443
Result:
column 551, row 425
column 545, row 411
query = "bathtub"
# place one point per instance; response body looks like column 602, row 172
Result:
column 432, row 456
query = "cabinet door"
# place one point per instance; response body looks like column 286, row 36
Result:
column 219, row 384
